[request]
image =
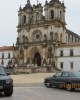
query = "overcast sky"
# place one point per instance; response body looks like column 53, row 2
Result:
column 9, row 18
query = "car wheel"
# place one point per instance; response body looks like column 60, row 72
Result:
column 47, row 83
column 8, row 93
column 69, row 86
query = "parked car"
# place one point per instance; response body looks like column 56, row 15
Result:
column 64, row 79
column 6, row 83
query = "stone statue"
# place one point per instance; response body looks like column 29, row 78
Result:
column 45, row 37
column 18, row 41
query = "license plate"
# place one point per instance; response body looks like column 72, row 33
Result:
column 1, row 87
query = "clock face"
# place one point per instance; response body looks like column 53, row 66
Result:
column 37, row 36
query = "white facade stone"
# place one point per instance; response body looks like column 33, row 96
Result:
column 6, row 50
column 67, row 59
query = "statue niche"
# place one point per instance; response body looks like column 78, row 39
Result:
column 21, row 55
column 45, row 38
column 25, row 39
column 18, row 41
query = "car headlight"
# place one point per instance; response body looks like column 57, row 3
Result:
column 10, row 81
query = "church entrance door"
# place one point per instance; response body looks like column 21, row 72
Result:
column 37, row 59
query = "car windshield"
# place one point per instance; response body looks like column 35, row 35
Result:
column 2, row 71
column 76, row 74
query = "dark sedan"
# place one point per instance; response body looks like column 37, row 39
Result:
column 65, row 79
column 6, row 83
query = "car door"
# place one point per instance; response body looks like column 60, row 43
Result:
column 65, row 77
column 56, row 79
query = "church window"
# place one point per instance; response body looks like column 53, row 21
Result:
column 37, row 36
column 2, row 55
column 61, row 53
column 9, row 55
column 56, row 36
column 61, row 15
column 24, row 19
column 61, row 37
column 31, row 19
column 61, row 65
column 71, row 65
column 51, row 35
column 71, row 53
column 52, row 14
column 37, row 15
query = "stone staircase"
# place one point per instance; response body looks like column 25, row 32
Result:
column 25, row 70
column 9, row 70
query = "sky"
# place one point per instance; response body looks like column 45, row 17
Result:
column 9, row 18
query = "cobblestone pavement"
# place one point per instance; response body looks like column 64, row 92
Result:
column 41, row 93
column 36, row 78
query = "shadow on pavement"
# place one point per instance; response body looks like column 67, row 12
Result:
column 75, row 90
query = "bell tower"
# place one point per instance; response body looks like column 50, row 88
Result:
column 55, row 14
column 37, row 12
column 54, row 10
column 25, row 14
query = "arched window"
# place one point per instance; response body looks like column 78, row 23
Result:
column 52, row 14
column 51, row 35
column 61, row 37
column 56, row 36
column 31, row 19
column 37, row 16
column 24, row 19
column 61, row 15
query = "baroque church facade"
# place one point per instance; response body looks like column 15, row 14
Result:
column 40, row 30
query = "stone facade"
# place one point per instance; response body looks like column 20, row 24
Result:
column 40, row 33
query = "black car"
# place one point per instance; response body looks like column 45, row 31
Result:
column 65, row 79
column 6, row 83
